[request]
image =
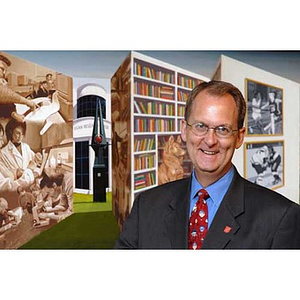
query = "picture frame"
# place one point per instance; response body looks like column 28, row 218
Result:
column 264, row 163
column 264, row 115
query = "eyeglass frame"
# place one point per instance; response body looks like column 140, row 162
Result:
column 228, row 127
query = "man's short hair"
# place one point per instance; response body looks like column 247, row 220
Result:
column 218, row 88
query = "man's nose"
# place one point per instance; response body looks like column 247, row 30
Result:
column 211, row 137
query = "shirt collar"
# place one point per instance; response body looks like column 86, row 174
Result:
column 217, row 190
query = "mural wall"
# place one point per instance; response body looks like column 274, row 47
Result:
column 121, row 139
column 36, row 138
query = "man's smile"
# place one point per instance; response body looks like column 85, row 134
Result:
column 209, row 152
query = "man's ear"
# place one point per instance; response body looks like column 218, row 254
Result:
column 183, row 130
column 240, row 138
column 54, row 185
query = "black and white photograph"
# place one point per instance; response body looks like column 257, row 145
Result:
column 264, row 109
column 264, row 163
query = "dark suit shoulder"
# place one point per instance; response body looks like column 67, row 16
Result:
column 168, row 187
column 267, row 196
column 165, row 193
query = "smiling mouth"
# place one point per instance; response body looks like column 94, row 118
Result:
column 209, row 152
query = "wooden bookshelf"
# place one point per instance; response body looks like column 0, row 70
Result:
column 148, row 100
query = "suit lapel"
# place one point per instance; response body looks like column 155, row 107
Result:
column 224, row 225
column 176, row 216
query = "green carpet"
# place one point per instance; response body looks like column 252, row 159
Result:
column 92, row 226
column 84, row 203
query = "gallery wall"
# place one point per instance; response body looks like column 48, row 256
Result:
column 237, row 72
column 42, row 155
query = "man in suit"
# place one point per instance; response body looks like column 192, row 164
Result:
column 239, row 215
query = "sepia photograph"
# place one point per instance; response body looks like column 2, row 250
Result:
column 36, row 150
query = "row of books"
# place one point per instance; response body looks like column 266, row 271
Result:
column 179, row 125
column 187, row 82
column 153, row 73
column 154, row 108
column 144, row 161
column 144, row 144
column 154, row 90
column 180, row 111
column 153, row 125
column 144, row 180
column 182, row 96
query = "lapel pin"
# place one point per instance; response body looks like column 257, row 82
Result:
column 227, row 229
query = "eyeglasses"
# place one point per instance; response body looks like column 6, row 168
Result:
column 201, row 129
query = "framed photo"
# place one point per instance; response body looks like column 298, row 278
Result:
column 264, row 114
column 264, row 163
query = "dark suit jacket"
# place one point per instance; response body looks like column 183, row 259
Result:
column 249, row 217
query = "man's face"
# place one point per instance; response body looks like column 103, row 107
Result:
column 211, row 155
column 17, row 135
column 50, row 191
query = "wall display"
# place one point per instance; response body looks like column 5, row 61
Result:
column 148, row 99
column 264, row 109
column 264, row 163
column 36, row 149
column 121, row 139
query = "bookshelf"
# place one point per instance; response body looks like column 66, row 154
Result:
column 148, row 99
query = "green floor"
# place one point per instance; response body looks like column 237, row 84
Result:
column 92, row 226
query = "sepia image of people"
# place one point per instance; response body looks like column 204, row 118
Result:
column 34, row 193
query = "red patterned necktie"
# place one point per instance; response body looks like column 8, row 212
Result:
column 198, row 223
